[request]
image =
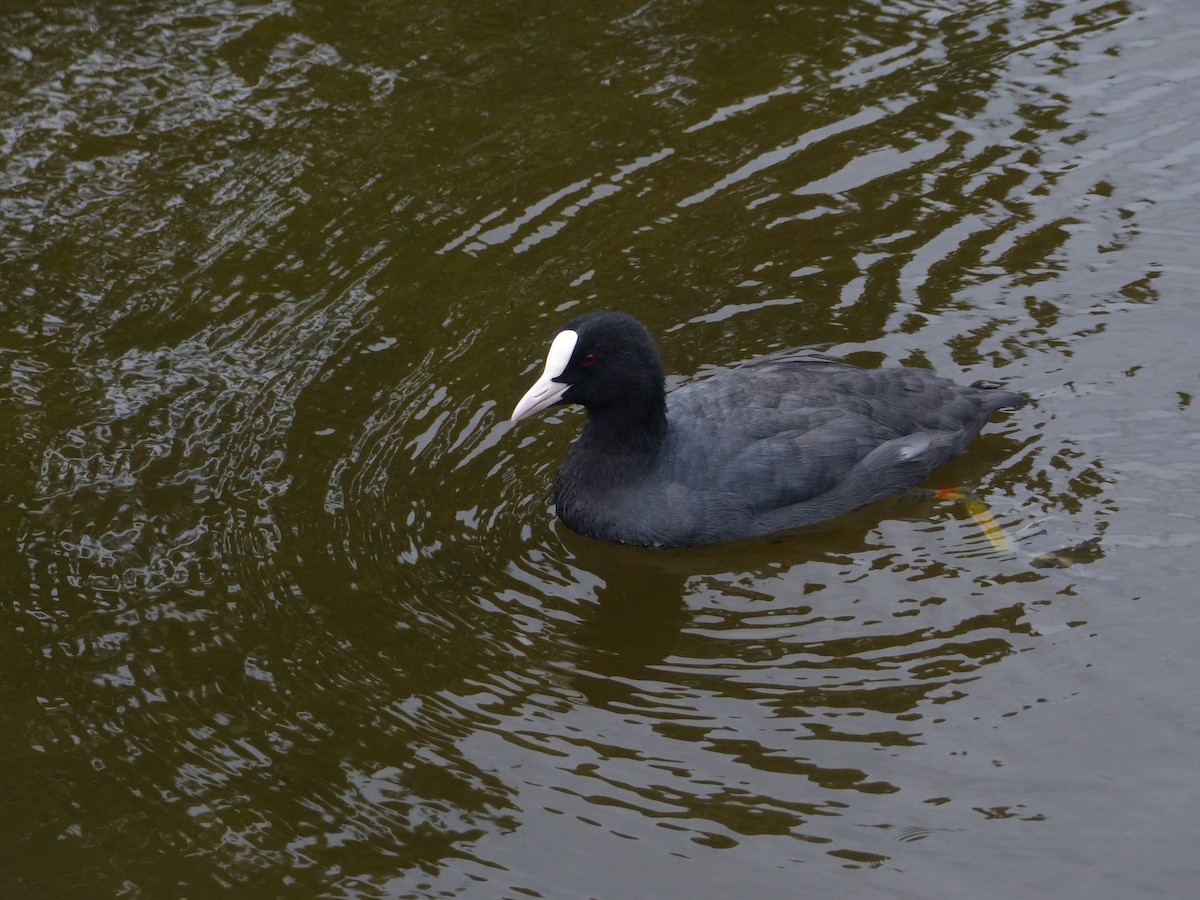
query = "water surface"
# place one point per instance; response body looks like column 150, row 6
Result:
column 285, row 609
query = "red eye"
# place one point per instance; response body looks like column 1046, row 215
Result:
column 590, row 360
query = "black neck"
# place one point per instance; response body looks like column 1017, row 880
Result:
column 636, row 427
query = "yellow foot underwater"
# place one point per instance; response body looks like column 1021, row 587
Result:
column 982, row 516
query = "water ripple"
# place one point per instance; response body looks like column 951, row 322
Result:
column 289, row 608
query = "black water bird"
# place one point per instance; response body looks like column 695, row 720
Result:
column 773, row 444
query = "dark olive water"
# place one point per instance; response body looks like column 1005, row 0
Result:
column 283, row 607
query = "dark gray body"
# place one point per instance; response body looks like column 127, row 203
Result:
column 772, row 445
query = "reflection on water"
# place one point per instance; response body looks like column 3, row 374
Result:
column 286, row 607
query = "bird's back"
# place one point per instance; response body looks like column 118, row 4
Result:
column 783, row 443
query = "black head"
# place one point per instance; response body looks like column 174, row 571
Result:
column 605, row 361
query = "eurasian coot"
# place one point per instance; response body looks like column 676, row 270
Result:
column 774, row 444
